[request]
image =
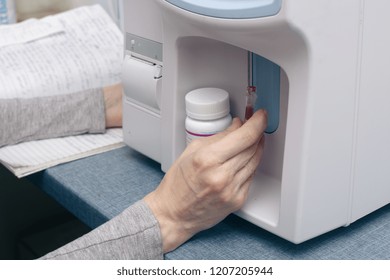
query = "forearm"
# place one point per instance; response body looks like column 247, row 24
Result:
column 133, row 234
column 51, row 116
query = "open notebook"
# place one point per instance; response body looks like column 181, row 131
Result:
column 27, row 158
column 61, row 54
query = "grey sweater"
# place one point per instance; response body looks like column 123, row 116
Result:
column 133, row 234
column 26, row 119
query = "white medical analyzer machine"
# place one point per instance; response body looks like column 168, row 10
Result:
column 321, row 69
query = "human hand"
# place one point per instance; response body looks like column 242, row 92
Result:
column 208, row 181
column 113, row 105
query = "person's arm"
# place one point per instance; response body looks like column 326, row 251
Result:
column 209, row 181
column 26, row 119
column 90, row 111
column 133, row 234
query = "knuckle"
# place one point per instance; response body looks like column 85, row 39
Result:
column 231, row 201
column 202, row 160
column 238, row 202
column 217, row 181
column 199, row 161
column 225, row 199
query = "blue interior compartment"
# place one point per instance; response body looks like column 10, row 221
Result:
column 266, row 78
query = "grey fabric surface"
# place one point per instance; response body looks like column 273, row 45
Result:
column 97, row 188
column 25, row 119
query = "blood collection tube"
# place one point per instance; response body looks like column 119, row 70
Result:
column 250, row 102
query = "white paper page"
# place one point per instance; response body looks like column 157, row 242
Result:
column 66, row 53
column 86, row 54
column 28, row 31
column 33, row 156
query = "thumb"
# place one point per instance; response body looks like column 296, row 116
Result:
column 236, row 124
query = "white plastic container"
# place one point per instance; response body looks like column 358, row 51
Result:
column 208, row 112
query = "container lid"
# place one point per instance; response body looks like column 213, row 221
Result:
column 207, row 103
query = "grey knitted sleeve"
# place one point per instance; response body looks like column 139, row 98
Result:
column 133, row 234
column 24, row 119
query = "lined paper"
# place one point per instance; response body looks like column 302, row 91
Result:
column 26, row 158
column 70, row 52
column 63, row 54
column 28, row 31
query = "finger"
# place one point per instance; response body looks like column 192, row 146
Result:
column 242, row 194
column 240, row 189
column 247, row 172
column 236, row 163
column 205, row 141
column 240, row 181
column 236, row 124
column 240, row 139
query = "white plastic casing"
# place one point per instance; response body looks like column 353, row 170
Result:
column 327, row 164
